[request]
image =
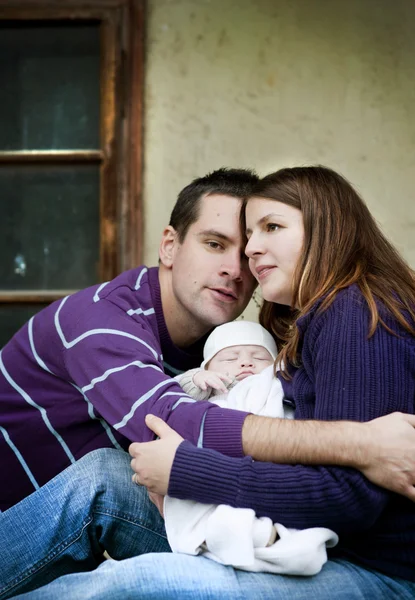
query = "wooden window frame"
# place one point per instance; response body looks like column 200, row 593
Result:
column 121, row 105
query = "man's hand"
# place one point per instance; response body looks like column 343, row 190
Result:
column 391, row 463
column 152, row 461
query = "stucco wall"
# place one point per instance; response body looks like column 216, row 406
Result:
column 269, row 83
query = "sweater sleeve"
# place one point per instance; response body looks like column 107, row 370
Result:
column 118, row 369
column 353, row 378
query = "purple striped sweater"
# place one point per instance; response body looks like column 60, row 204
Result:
column 83, row 373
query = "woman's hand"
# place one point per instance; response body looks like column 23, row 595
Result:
column 152, row 461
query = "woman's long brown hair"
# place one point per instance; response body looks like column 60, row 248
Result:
column 343, row 245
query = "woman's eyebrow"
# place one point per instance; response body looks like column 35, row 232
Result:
column 269, row 216
column 264, row 219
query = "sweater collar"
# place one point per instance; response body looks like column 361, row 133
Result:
column 176, row 357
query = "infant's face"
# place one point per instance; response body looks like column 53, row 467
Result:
column 240, row 361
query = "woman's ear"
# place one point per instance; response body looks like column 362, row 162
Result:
column 167, row 248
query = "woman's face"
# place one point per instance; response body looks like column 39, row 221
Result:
column 275, row 239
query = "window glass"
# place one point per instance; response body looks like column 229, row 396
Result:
column 50, row 88
column 49, row 227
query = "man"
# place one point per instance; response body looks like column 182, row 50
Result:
column 84, row 373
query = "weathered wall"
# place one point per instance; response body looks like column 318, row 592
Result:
column 268, row 83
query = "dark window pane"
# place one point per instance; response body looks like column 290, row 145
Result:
column 49, row 227
column 49, row 92
column 13, row 316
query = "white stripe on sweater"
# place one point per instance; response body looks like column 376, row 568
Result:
column 20, row 458
column 105, row 375
column 103, row 422
column 91, row 413
column 140, row 311
column 73, row 343
column 96, row 295
column 42, row 411
column 139, row 402
column 138, row 282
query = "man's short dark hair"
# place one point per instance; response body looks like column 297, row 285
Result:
column 238, row 183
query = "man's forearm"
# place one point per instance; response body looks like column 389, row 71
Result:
column 342, row 443
column 382, row 449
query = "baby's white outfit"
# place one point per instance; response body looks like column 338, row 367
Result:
column 235, row 536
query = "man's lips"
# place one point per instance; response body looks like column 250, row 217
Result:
column 224, row 294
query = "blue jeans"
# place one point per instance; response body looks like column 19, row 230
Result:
column 57, row 537
column 65, row 526
column 180, row 577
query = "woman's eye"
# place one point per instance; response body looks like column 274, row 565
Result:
column 272, row 226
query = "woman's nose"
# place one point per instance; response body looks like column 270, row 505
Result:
column 253, row 247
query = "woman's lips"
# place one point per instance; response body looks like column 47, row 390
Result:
column 263, row 272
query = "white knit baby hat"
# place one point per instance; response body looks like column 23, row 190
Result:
column 238, row 333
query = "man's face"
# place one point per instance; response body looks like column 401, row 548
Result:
column 211, row 280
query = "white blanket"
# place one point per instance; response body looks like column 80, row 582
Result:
column 235, row 536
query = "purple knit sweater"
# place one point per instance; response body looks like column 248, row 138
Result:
column 82, row 375
column 344, row 375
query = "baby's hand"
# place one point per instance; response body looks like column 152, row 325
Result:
column 217, row 381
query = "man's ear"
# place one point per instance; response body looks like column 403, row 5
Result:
column 168, row 245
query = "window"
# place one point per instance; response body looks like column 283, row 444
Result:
column 70, row 149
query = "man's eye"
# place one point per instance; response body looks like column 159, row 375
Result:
column 214, row 245
column 272, row 227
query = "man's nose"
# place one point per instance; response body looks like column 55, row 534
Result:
column 232, row 266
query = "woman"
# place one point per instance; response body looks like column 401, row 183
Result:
column 340, row 303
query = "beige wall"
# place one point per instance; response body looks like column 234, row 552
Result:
column 269, row 83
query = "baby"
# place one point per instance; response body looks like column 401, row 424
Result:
column 232, row 353
column 237, row 372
